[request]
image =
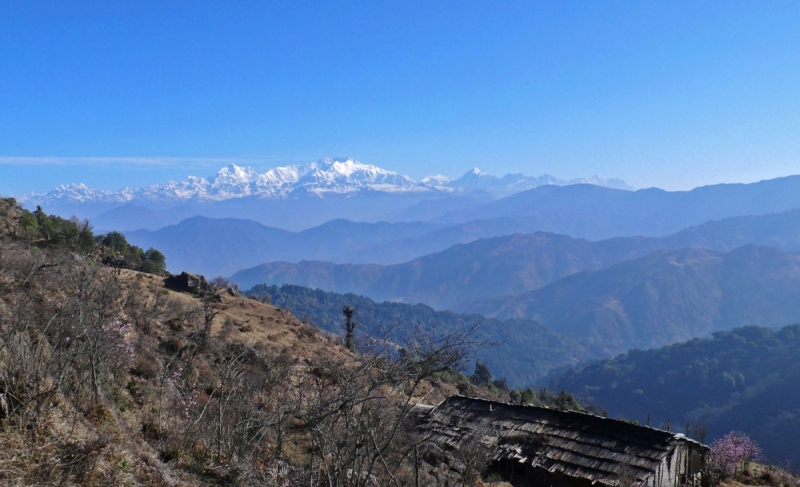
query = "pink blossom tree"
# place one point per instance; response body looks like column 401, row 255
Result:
column 731, row 454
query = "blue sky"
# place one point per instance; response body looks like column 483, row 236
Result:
column 669, row 94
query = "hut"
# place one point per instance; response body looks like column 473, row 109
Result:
column 530, row 446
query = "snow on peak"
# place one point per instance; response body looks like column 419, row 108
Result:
column 436, row 180
column 80, row 193
column 321, row 177
column 347, row 175
column 599, row 180
column 236, row 173
column 475, row 179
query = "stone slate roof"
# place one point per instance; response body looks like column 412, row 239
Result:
column 576, row 444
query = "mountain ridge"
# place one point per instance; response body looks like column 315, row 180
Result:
column 662, row 298
column 363, row 243
column 486, row 267
column 319, row 178
column 200, row 244
column 596, row 213
column 495, row 265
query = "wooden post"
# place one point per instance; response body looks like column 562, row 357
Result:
column 311, row 473
column 416, row 465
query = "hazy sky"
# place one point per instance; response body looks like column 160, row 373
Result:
column 660, row 93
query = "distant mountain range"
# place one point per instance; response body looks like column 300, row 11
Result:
column 466, row 272
column 779, row 230
column 242, row 191
column 744, row 380
column 318, row 178
column 221, row 246
column 224, row 246
column 663, row 298
column 596, row 213
column 509, row 184
column 581, row 210
column 490, row 267
column 296, row 198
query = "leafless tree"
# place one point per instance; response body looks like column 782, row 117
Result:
column 358, row 407
column 474, row 454
column 700, row 432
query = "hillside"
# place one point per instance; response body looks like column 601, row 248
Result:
column 779, row 230
column 744, row 380
column 110, row 376
column 465, row 272
column 216, row 246
column 221, row 246
column 107, row 377
column 524, row 353
column 663, row 298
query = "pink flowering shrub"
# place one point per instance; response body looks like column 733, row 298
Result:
column 731, row 454
column 118, row 338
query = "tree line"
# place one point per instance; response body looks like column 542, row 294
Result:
column 75, row 235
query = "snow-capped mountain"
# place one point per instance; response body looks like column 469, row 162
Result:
column 320, row 178
column 436, row 180
column 514, row 183
column 79, row 193
column 326, row 176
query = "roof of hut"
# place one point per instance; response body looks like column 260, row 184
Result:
column 577, row 444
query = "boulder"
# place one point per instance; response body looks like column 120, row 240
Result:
column 185, row 282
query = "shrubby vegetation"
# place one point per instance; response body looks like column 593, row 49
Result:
column 523, row 353
column 744, row 380
column 107, row 378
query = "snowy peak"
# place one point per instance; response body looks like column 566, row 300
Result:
column 436, row 180
column 235, row 174
column 323, row 177
column 233, row 181
column 476, row 179
column 80, row 193
column 599, row 180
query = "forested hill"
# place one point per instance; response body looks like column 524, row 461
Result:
column 746, row 379
column 664, row 298
column 525, row 351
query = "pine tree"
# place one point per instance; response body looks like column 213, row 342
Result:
column 350, row 326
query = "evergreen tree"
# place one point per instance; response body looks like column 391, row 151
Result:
column 482, row 373
column 350, row 327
